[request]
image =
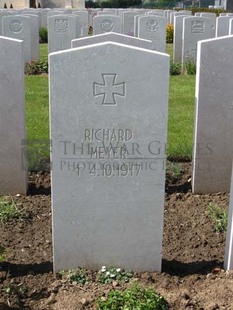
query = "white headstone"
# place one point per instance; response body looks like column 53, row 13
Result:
column 194, row 30
column 84, row 23
column 212, row 17
column 228, row 258
column 231, row 26
column 18, row 27
column 61, row 30
column 222, row 26
column 177, row 38
column 106, row 23
column 13, row 176
column 128, row 23
column 114, row 37
column 213, row 148
column 108, row 166
column 34, row 20
column 152, row 27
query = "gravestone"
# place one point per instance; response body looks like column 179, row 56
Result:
column 108, row 176
column 228, row 259
column 152, row 27
column 84, row 22
column 61, row 30
column 128, row 23
column 106, row 23
column 213, row 148
column 13, row 177
column 18, row 27
column 34, row 21
column 114, row 37
column 194, row 30
column 212, row 17
column 231, row 26
column 177, row 38
column 222, row 26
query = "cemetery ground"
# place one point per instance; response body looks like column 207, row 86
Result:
column 194, row 228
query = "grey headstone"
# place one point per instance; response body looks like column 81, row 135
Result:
column 61, row 30
column 194, row 30
column 34, row 21
column 152, row 27
column 222, row 26
column 18, row 27
column 84, row 22
column 114, row 37
column 106, row 23
column 13, row 176
column 128, row 23
column 213, row 148
column 101, row 196
column 228, row 258
column 231, row 26
column 177, row 38
column 212, row 17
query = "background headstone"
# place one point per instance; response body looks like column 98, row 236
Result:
column 18, row 27
column 13, row 176
column 114, row 37
column 106, row 23
column 213, row 147
column 153, row 28
column 194, row 30
column 228, row 259
column 61, row 30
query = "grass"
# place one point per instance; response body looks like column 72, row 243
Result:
column 180, row 117
column 9, row 210
column 218, row 216
column 43, row 51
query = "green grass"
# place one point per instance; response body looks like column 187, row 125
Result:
column 43, row 51
column 218, row 216
column 180, row 117
column 169, row 49
column 9, row 210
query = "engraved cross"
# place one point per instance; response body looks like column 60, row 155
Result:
column 109, row 89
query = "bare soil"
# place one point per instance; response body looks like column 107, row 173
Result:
column 192, row 277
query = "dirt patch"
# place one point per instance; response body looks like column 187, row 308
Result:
column 192, row 277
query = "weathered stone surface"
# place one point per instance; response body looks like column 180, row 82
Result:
column 13, row 176
column 108, row 176
column 213, row 148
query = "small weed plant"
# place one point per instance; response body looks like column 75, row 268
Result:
column 110, row 274
column 175, row 68
column 76, row 276
column 9, row 210
column 174, row 171
column 190, row 68
column 2, row 253
column 134, row 298
column 219, row 217
column 37, row 67
column 14, row 288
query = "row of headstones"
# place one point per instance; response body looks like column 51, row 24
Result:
column 189, row 30
column 63, row 27
column 108, row 132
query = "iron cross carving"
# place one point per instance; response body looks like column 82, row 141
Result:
column 109, row 89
